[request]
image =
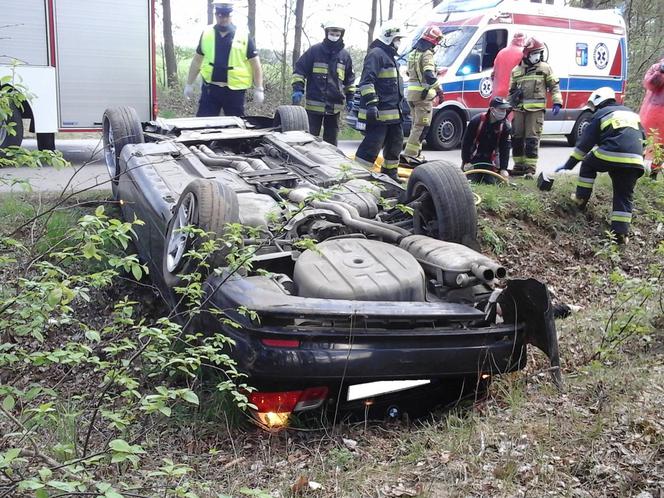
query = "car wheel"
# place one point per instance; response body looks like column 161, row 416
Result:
column 445, row 207
column 204, row 204
column 291, row 118
column 446, row 130
column 7, row 140
column 120, row 126
column 581, row 124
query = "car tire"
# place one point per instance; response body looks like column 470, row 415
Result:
column 205, row 204
column 291, row 118
column 446, row 130
column 7, row 140
column 120, row 126
column 447, row 211
column 582, row 122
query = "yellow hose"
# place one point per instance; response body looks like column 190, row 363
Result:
column 486, row 172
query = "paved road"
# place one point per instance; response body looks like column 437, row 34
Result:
column 89, row 171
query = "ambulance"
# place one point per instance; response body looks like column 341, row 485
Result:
column 587, row 49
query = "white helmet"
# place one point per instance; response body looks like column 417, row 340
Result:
column 334, row 23
column 599, row 96
column 389, row 31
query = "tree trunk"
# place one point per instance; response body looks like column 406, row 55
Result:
column 372, row 22
column 169, row 48
column 297, row 41
column 210, row 12
column 284, row 52
column 390, row 14
column 251, row 16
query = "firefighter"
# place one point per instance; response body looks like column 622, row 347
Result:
column 327, row 70
column 381, row 94
column 228, row 62
column 506, row 60
column 529, row 83
column 618, row 135
column 423, row 86
column 487, row 136
column 652, row 114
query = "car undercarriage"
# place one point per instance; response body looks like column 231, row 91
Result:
column 350, row 277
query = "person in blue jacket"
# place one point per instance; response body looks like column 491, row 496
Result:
column 612, row 143
column 325, row 72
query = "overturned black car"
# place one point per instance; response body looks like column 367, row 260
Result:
column 390, row 287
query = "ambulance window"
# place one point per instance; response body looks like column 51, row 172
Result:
column 483, row 54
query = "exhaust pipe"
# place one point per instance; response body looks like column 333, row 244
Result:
column 452, row 264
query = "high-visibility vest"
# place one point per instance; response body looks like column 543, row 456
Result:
column 240, row 75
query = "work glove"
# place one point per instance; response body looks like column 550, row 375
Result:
column 297, row 97
column 562, row 167
column 372, row 114
column 259, row 95
column 189, row 92
column 556, row 109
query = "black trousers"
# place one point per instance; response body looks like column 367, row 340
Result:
column 389, row 137
column 214, row 98
column 329, row 123
column 623, row 179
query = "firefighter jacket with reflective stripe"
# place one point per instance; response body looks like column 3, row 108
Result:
column 529, row 84
column 482, row 139
column 380, row 84
column 240, row 75
column 327, row 70
column 420, row 87
column 617, row 133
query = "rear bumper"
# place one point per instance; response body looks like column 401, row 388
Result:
column 329, row 343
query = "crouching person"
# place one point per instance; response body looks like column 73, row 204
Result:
column 486, row 142
column 619, row 136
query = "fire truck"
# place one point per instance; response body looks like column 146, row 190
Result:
column 73, row 59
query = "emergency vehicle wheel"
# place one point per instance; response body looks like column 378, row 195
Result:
column 443, row 203
column 291, row 118
column 121, row 126
column 579, row 127
column 446, row 130
column 7, row 140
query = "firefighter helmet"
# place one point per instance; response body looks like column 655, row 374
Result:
column 389, row 31
column 334, row 23
column 433, row 35
column 599, row 97
column 533, row 45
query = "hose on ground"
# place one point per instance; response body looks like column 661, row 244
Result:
column 486, row 172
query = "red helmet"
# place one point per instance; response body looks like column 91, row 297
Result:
column 532, row 45
column 433, row 35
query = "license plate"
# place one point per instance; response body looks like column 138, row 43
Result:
column 370, row 389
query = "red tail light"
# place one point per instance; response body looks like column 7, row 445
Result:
column 288, row 401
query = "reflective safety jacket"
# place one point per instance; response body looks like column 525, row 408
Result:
column 529, row 84
column 240, row 74
column 327, row 70
column 380, row 84
column 617, row 132
column 419, row 62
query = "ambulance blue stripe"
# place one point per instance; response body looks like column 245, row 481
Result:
column 566, row 84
